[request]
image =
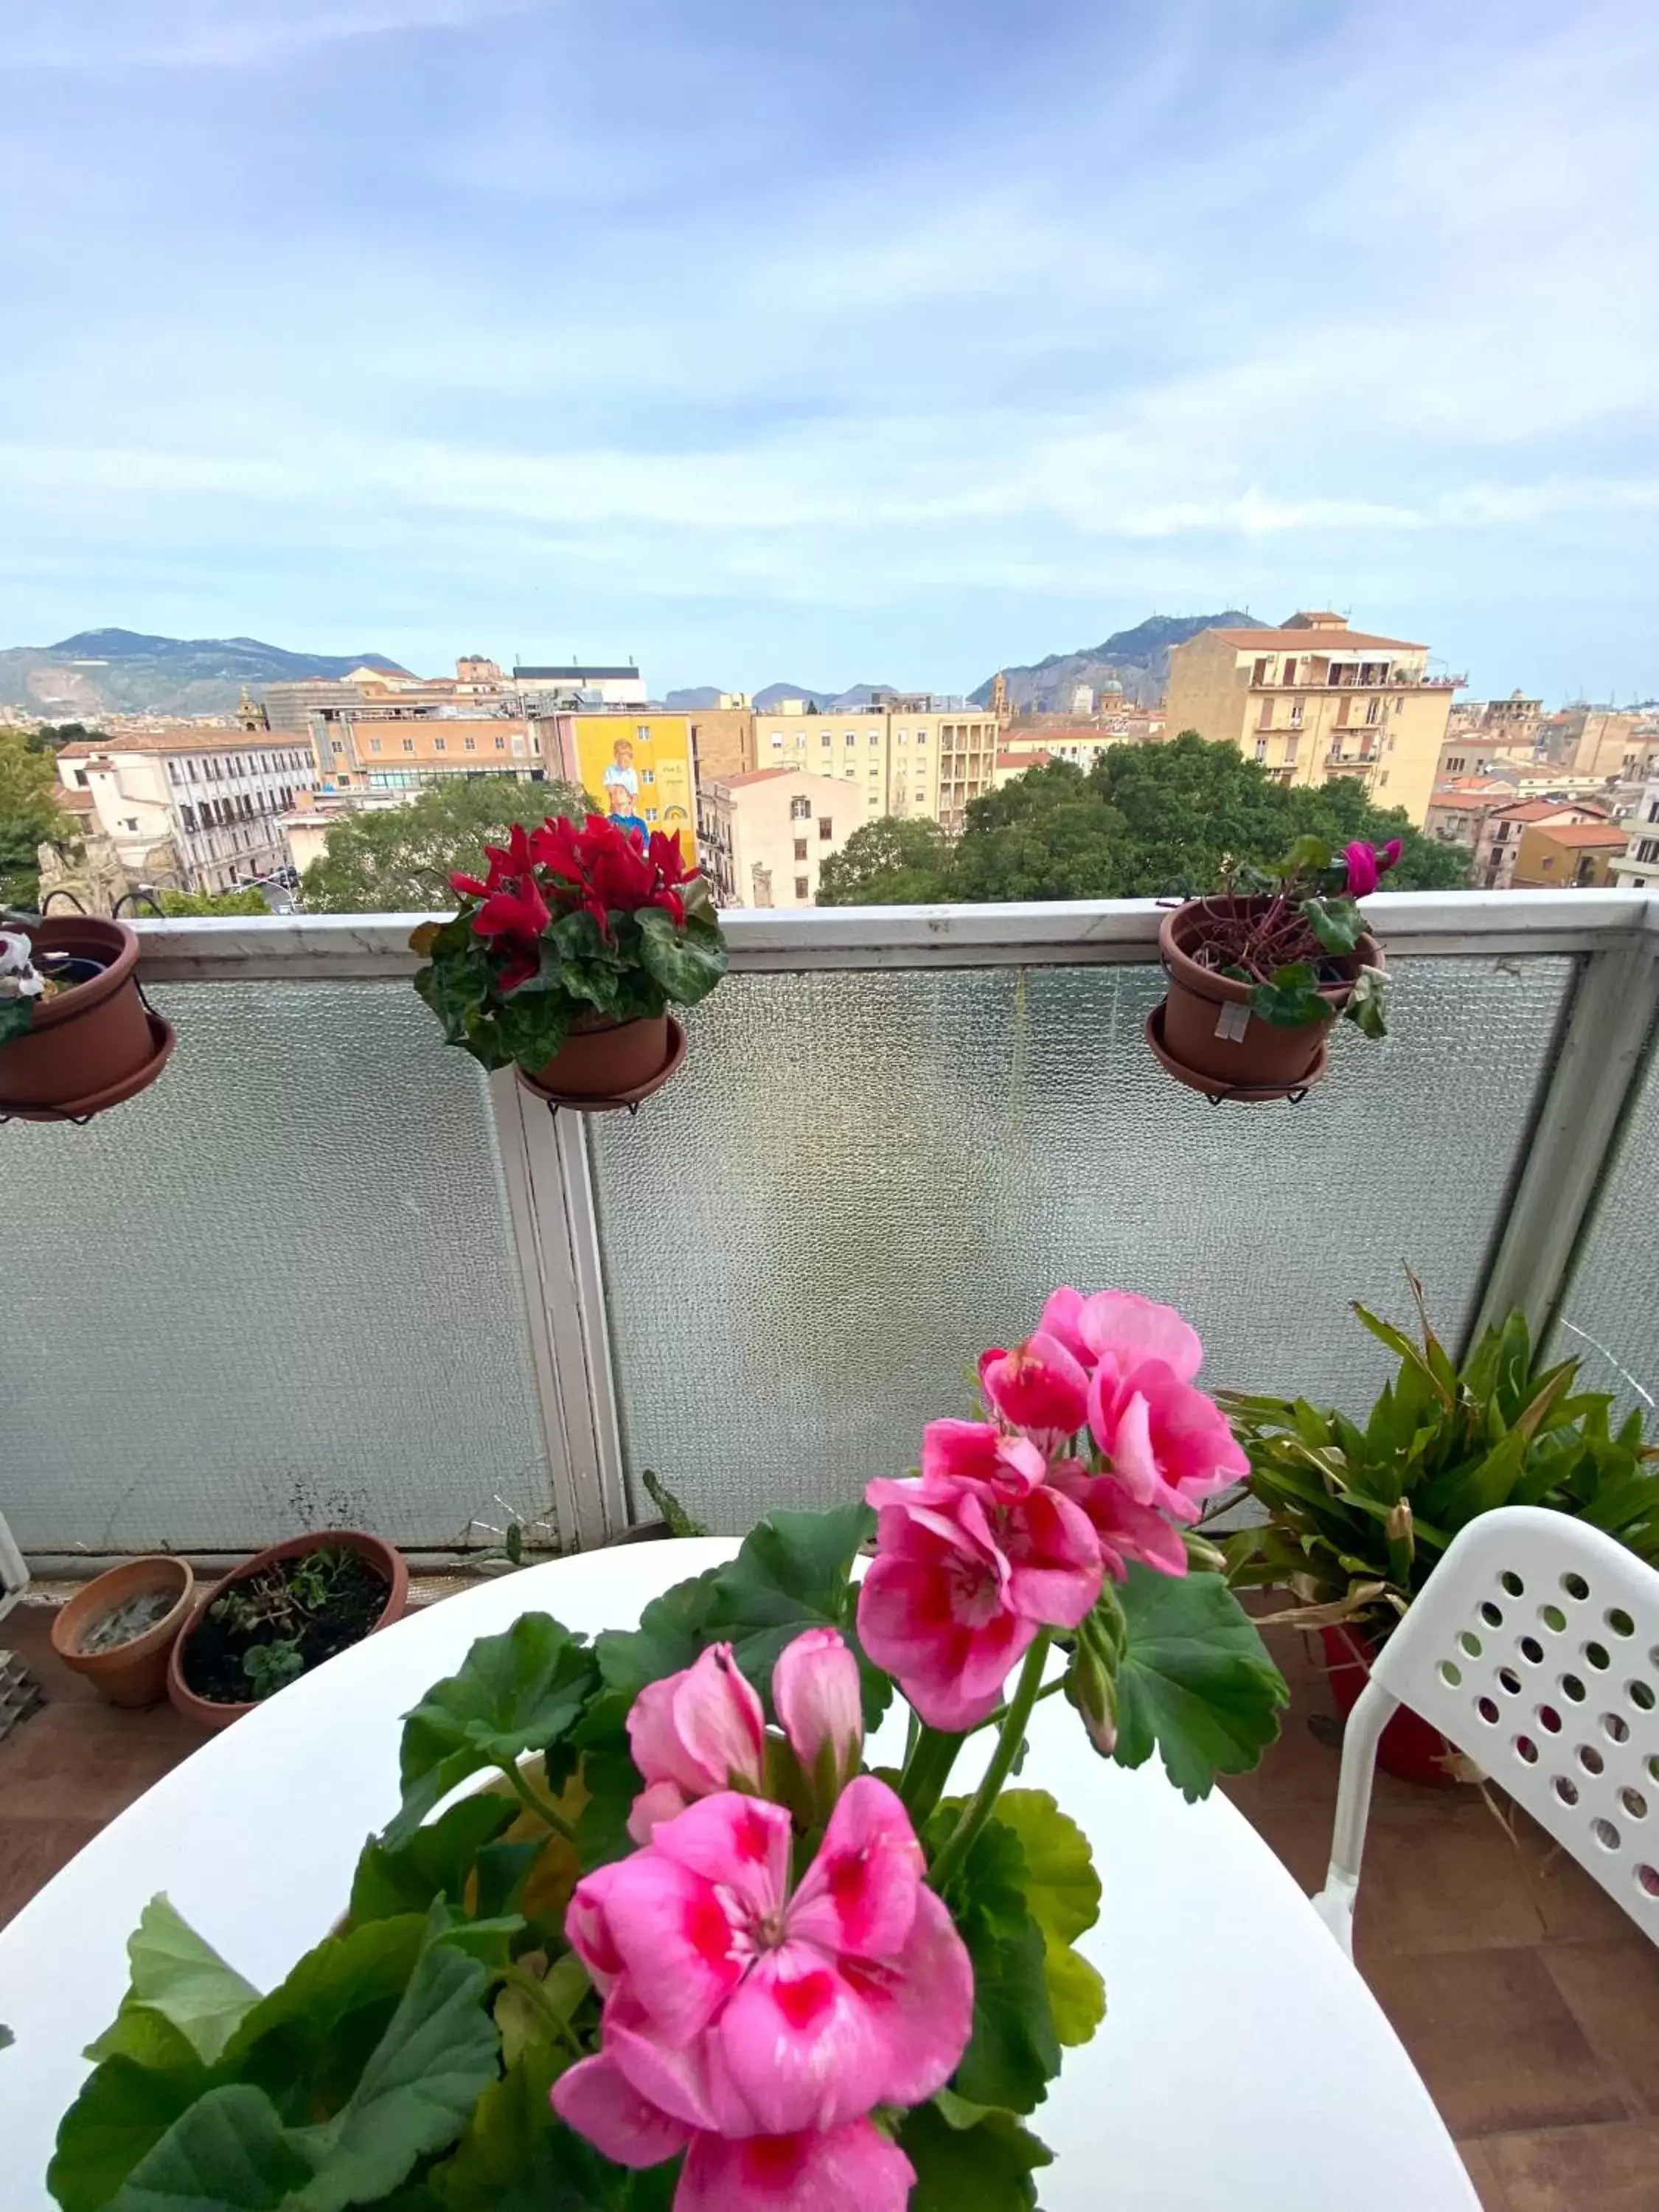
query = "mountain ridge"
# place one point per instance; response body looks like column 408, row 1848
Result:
column 1138, row 659
column 124, row 671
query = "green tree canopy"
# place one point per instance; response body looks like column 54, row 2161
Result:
column 30, row 816
column 50, row 737
column 1144, row 822
column 398, row 860
column 194, row 903
column 889, row 863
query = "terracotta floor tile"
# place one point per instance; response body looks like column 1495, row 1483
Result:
column 1487, row 2187
column 1494, row 2039
column 88, row 1762
column 1612, row 1990
column 31, row 1852
column 1604, row 2169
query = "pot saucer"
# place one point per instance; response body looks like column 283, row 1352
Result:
column 613, row 1102
column 163, row 1036
column 1214, row 1087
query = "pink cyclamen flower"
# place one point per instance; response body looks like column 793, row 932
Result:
column 812, row 2170
column 1168, row 1444
column 1039, row 1387
column 1389, row 856
column 693, row 1733
column 738, row 2008
column 971, row 1560
column 1362, row 869
column 816, row 1690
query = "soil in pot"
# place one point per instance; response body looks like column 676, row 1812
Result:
column 1208, row 1029
column 1408, row 1748
column 269, row 1627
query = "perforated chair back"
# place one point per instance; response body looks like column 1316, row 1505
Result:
column 1533, row 1647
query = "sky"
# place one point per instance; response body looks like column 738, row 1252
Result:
column 833, row 343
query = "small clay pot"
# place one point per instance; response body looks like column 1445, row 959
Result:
column 92, row 1046
column 1209, row 1037
column 213, row 1714
column 602, row 1059
column 134, row 1673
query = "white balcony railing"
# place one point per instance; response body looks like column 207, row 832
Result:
column 326, row 1271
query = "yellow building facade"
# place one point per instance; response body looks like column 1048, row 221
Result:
column 1315, row 701
column 635, row 766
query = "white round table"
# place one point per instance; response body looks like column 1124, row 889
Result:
column 1242, row 2065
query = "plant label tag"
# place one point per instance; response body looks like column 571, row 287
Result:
column 1232, row 1021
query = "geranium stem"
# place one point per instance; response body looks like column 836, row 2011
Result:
column 516, row 1977
column 534, row 1801
column 977, row 1810
column 927, row 1770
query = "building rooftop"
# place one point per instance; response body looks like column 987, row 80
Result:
column 1586, row 833
column 183, row 738
column 1321, row 638
column 577, row 675
column 1023, row 760
column 752, row 775
column 1540, row 810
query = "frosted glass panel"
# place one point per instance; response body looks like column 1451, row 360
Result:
column 275, row 1290
column 1609, row 1317
column 857, row 1181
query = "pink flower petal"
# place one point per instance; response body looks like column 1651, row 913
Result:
column 1127, row 1329
column 1061, row 1318
column 589, row 1930
column 816, row 1690
column 1054, row 1559
column 598, row 2099
column 852, row 2166
column 924, row 2007
column 657, row 1802
column 803, row 2049
column 859, row 1896
column 720, row 1719
column 674, row 1930
column 1039, row 1386
column 1121, row 1425
column 741, row 1843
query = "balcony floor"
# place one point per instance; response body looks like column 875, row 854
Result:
column 1529, row 2002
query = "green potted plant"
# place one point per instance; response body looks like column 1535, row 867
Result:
column 564, row 960
column 280, row 1614
column 1358, row 1518
column 76, row 1036
column 1259, row 972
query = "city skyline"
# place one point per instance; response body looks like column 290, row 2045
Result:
column 882, row 347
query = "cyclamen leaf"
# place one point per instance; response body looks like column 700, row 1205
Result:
column 687, row 963
column 1195, row 1679
column 515, row 1692
column 1337, row 923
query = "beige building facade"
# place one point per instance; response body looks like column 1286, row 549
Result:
column 764, row 834
column 364, row 753
column 1499, row 839
column 1570, row 854
column 1620, row 748
column 1639, row 870
column 1315, row 701
column 900, row 760
column 216, row 797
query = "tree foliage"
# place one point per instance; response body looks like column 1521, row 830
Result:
column 398, row 860
column 196, row 903
column 1144, row 822
column 30, row 816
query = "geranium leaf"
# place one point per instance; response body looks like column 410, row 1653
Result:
column 987, row 2167
column 307, row 2042
column 517, row 2157
column 515, row 1692
column 669, row 1635
column 436, row 1861
column 229, row 2152
column 123, row 2111
column 1062, row 1891
column 795, row 1572
column 1195, row 1679
column 184, row 1979
column 1014, row 2052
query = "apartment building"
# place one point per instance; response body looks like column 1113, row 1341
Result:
column 1080, row 742
column 573, row 683
column 1458, row 809
column 765, row 834
column 216, row 798
column 1316, row 700
column 358, row 752
column 1639, row 870
column 904, row 758
column 1621, row 748
column 722, row 741
column 1570, row 854
column 635, row 767
column 1498, row 841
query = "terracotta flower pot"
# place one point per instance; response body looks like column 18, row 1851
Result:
column 213, row 1713
column 1408, row 1748
column 1206, row 1036
column 134, row 1673
column 92, row 1046
column 608, row 1062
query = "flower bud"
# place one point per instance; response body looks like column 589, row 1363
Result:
column 815, row 1689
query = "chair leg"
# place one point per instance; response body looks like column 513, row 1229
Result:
column 1373, row 1709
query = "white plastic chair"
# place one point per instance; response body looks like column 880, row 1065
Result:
column 1533, row 1647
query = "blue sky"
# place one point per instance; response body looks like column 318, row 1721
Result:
column 833, row 343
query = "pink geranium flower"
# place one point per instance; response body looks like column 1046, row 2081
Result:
column 1122, row 1328
column 812, row 2170
column 1125, row 1528
column 816, row 1690
column 1170, row 1446
column 691, row 1734
column 971, row 1560
column 1039, row 1387
column 738, row 2007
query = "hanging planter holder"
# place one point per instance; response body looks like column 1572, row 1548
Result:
column 93, row 1046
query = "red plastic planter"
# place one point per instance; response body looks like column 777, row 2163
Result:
column 1409, row 1749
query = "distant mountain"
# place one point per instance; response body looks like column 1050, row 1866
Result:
column 1138, row 659
column 702, row 695
column 707, row 695
column 123, row 672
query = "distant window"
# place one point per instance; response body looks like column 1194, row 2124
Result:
column 1259, row 674
column 801, row 849
column 130, row 822
column 777, row 739
column 408, row 745
column 1383, row 777
column 921, row 737
column 904, row 736
column 1373, row 710
column 800, row 810
column 1290, row 751
column 501, row 745
column 826, row 739
column 1296, row 713
column 1649, row 847
column 803, row 888
column 875, row 736
column 826, row 827
column 1261, row 748
column 648, row 775
column 80, row 779
column 338, row 746
column 852, row 736
column 471, row 744
column 437, row 746
column 642, row 732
